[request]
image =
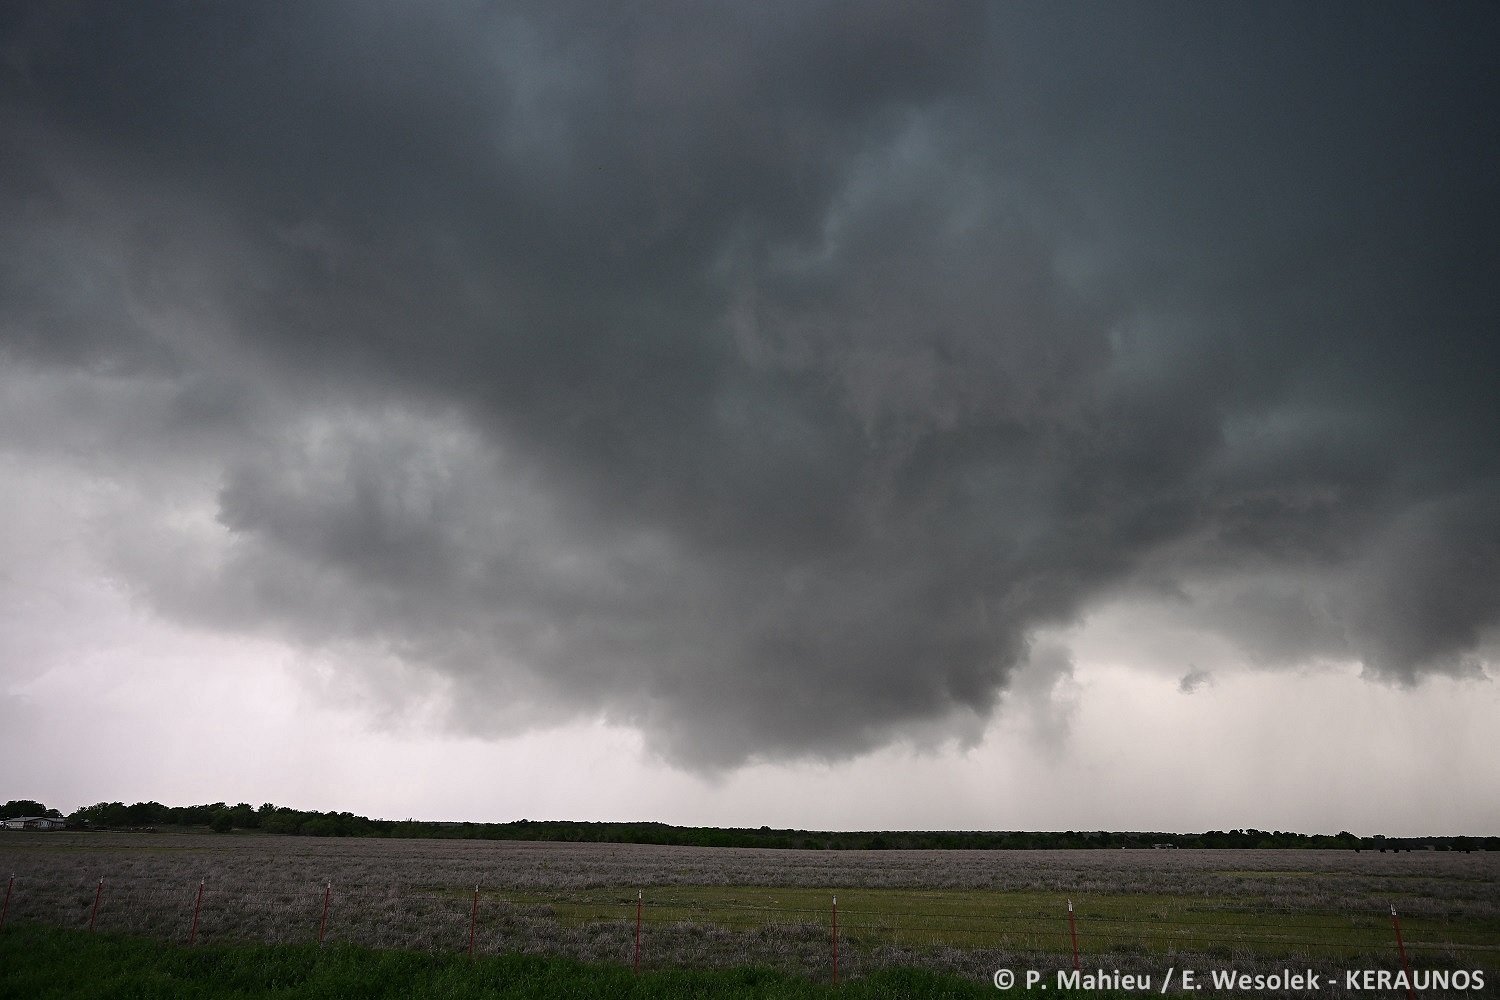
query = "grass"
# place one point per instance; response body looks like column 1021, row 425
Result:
column 52, row 964
column 952, row 912
column 1024, row 922
column 1276, row 874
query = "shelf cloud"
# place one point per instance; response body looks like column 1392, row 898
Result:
column 767, row 378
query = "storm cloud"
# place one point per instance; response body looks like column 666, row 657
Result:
column 764, row 377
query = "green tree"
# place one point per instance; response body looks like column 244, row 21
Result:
column 103, row 814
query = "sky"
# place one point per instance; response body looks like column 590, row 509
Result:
column 822, row 415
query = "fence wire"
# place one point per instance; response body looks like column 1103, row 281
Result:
column 668, row 928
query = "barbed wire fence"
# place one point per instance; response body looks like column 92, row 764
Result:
column 664, row 927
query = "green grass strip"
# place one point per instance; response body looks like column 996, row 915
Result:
column 1025, row 922
column 46, row 963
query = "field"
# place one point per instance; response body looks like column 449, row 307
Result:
column 959, row 912
column 38, row 961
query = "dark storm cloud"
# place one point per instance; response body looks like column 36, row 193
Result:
column 1194, row 680
column 768, row 377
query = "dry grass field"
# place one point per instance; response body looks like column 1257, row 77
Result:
column 960, row 911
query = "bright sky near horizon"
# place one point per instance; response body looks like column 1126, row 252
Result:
column 836, row 416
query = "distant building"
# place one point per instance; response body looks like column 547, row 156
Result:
column 1165, row 847
column 35, row 823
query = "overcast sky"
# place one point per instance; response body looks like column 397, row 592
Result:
column 835, row 415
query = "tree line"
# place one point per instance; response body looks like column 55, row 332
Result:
column 273, row 819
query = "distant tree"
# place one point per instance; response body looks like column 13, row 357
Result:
column 24, row 807
column 223, row 822
column 244, row 816
column 281, row 820
column 146, row 814
column 103, row 814
column 320, row 826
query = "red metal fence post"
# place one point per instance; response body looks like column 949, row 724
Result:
column 473, row 921
column 197, row 905
column 835, row 940
column 639, row 898
column 1073, row 932
column 327, row 899
column 94, row 917
column 6, row 908
column 1411, row 992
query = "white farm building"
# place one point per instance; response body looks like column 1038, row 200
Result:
column 34, row 823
